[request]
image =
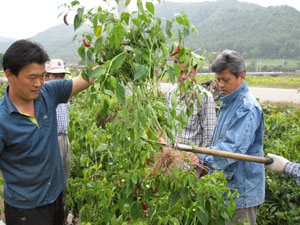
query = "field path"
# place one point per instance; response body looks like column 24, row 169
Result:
column 264, row 94
column 276, row 94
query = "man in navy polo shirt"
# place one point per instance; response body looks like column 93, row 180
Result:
column 30, row 159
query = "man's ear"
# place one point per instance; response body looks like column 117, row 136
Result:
column 243, row 76
column 9, row 74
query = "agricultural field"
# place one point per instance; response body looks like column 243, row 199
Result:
column 99, row 166
column 111, row 182
column 274, row 62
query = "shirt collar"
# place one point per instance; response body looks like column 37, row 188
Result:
column 10, row 106
column 231, row 97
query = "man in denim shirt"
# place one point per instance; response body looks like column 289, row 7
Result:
column 240, row 129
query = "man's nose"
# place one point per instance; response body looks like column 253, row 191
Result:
column 183, row 76
column 220, row 83
column 38, row 82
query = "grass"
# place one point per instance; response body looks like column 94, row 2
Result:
column 281, row 106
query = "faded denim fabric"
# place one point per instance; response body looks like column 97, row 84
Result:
column 240, row 129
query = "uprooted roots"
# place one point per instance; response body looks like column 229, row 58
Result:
column 168, row 158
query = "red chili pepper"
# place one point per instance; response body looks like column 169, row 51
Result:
column 152, row 156
column 148, row 162
column 176, row 51
column 121, row 182
column 155, row 189
column 86, row 44
column 65, row 19
column 144, row 205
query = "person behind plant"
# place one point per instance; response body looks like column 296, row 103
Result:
column 30, row 160
column 283, row 165
column 202, row 122
column 55, row 70
column 240, row 129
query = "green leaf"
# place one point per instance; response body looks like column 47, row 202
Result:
column 89, row 54
column 179, row 20
column 136, row 210
column 81, row 51
column 113, row 81
column 160, row 106
column 150, row 7
column 175, row 196
column 174, row 72
column 125, row 17
column 97, row 72
column 127, row 2
column 199, row 99
column 73, row 3
column 202, row 216
column 144, row 18
column 136, row 21
column 77, row 22
column 117, row 63
column 140, row 5
column 184, row 194
column 186, row 32
column 121, row 94
column 169, row 28
column 80, row 12
column 108, row 92
column 105, row 108
column 141, row 71
column 85, row 76
column 142, row 117
column 174, row 100
column 102, row 147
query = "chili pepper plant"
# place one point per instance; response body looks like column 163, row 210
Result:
column 110, row 181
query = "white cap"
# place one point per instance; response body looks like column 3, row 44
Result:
column 56, row 66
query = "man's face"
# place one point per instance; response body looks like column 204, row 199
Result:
column 183, row 76
column 55, row 76
column 228, row 82
column 26, row 86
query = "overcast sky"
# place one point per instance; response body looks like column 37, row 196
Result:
column 25, row 18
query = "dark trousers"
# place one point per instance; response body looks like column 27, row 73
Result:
column 52, row 214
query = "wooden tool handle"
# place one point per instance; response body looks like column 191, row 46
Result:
column 225, row 154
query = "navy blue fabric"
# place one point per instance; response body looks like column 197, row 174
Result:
column 29, row 155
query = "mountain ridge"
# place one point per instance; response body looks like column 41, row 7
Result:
column 252, row 30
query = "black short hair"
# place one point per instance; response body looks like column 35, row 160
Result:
column 22, row 53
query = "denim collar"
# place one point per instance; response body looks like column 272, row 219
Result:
column 231, row 97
